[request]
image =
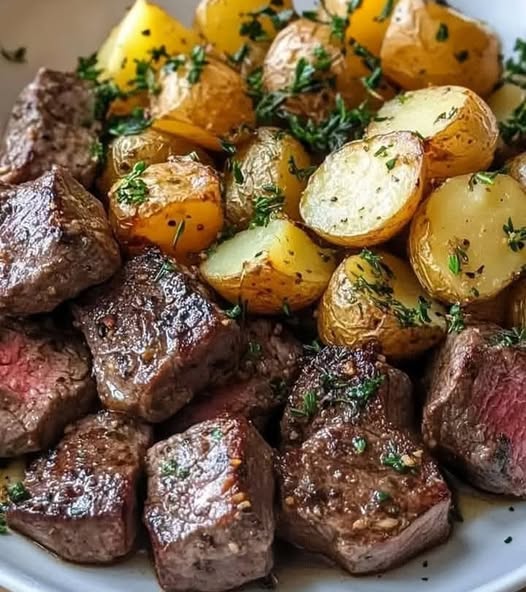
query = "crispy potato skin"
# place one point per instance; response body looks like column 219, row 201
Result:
column 414, row 57
column 459, row 129
column 181, row 190
column 264, row 160
column 517, row 305
column 367, row 191
column 350, row 316
column 470, row 217
column 266, row 267
column 300, row 39
column 212, row 108
column 150, row 146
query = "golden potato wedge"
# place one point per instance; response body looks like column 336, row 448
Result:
column 220, row 22
column 376, row 296
column 366, row 192
column 151, row 147
column 175, row 205
column 205, row 110
column 427, row 43
column 270, row 161
column 517, row 305
column 145, row 27
column 465, row 239
column 516, row 168
column 459, row 129
column 304, row 40
column 268, row 267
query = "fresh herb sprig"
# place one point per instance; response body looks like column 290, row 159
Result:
column 515, row 337
column 132, row 190
column 516, row 237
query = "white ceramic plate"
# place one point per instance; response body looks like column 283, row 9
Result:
column 476, row 559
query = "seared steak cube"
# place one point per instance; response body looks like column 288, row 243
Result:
column 476, row 408
column 82, row 502
column 365, row 495
column 55, row 241
column 209, row 510
column 344, row 383
column 156, row 339
column 271, row 359
column 45, row 383
column 52, row 122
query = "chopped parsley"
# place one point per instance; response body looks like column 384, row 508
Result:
column 442, row 33
column 240, row 56
column 381, row 496
column 482, row 177
column 515, row 337
column 253, row 28
column 216, row 434
column 237, row 172
column 323, row 58
column 132, row 190
column 312, row 348
column 128, row 125
column 365, row 389
column 145, row 78
column 359, row 444
column 308, row 407
column 97, row 151
column 17, row 56
column 391, row 163
column 87, row 68
column 446, row 116
column 516, row 67
column 376, row 262
column 197, row 63
column 394, row 460
column 455, row 319
column 171, row 468
column 458, row 257
column 516, row 237
column 265, row 206
column 238, row 311
column 299, row 173
column 387, row 10
column 227, row 147
column 166, row 268
column 514, row 128
column 17, row 492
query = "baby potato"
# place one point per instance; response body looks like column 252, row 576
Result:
column 145, row 26
column 179, row 207
column 366, row 192
column 465, row 239
column 312, row 42
column 459, row 130
column 506, row 103
column 427, row 43
column 268, row 267
column 517, row 305
column 149, row 146
column 220, row 22
column 203, row 110
column 376, row 296
column 271, row 160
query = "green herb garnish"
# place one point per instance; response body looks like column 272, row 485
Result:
column 166, row 268
column 455, row 319
column 264, row 207
column 442, row 33
column 387, row 10
column 87, row 68
column 309, row 405
column 515, row 337
column 516, row 237
column 394, row 460
column 132, row 190
column 241, row 55
column 299, row 173
column 483, row 177
column 237, row 172
column 17, row 492
column 359, row 444
column 128, row 125
column 197, row 63
column 171, row 468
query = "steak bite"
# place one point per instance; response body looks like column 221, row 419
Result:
column 82, row 502
column 156, row 339
column 209, row 510
column 55, row 241
column 342, row 383
column 45, row 383
column 52, row 122
column 476, row 406
column 270, row 361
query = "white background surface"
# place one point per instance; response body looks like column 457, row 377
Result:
column 476, row 559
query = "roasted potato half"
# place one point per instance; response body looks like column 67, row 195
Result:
column 517, row 305
column 311, row 42
column 376, row 296
column 427, row 43
column 459, row 129
column 465, row 239
column 270, row 161
column 268, row 267
column 151, row 147
column 366, row 192
column 175, row 205
column 204, row 110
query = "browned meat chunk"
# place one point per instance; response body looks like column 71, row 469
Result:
column 476, row 406
column 270, row 361
column 52, row 122
column 83, row 495
column 355, row 482
column 45, row 383
column 209, row 510
column 55, row 241
column 156, row 340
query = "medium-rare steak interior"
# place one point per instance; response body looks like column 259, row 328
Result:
column 82, row 495
column 52, row 122
column 156, row 339
column 209, row 510
column 45, row 383
column 55, row 241
column 355, row 485
column 475, row 412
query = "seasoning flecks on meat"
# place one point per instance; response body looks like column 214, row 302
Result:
column 82, row 495
column 209, row 510
column 156, row 339
column 55, row 241
column 45, row 383
column 52, row 123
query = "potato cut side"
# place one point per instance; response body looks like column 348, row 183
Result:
column 465, row 239
column 364, row 193
column 376, row 296
column 269, row 267
column 459, row 129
